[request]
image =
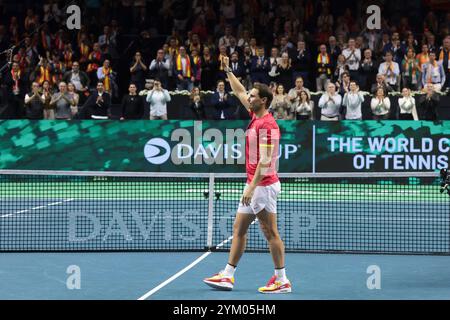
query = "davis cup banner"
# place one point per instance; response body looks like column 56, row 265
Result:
column 219, row 146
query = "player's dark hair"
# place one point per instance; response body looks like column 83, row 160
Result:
column 264, row 92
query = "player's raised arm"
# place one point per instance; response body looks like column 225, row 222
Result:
column 237, row 87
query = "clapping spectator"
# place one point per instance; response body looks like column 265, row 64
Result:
column 304, row 107
column 353, row 100
column 330, row 104
column 281, row 107
column 159, row 68
column 324, row 66
column 428, row 104
column 433, row 73
column 63, row 103
column 158, row 98
column 138, row 71
column 380, row 105
column 34, row 103
column 222, row 102
column 391, row 71
column 185, row 70
column 407, row 106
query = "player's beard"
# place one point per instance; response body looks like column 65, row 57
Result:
column 256, row 107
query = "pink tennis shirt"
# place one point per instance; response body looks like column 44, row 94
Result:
column 262, row 132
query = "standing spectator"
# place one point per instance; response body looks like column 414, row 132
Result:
column 353, row 101
column 105, row 75
column 352, row 58
column 34, row 104
column 301, row 63
column 225, row 40
column 330, row 103
column 16, row 84
column 80, row 80
column 44, row 72
column 260, row 67
column 132, row 105
column 407, row 106
column 158, row 98
column 138, row 71
column 274, row 60
column 222, row 54
column 49, row 110
column 381, row 83
column 334, row 50
column 423, row 57
column 433, row 73
column 222, row 103
column 233, row 47
column 380, row 106
column 74, row 96
column 391, row 71
column 344, row 86
column 198, row 107
column 294, row 93
column 62, row 102
column 197, row 67
column 159, row 68
column 94, row 62
column 98, row 104
column 444, row 59
column 209, row 70
column 304, row 107
column 284, row 69
column 58, row 69
column 281, row 106
column 341, row 68
column 411, row 72
column 323, row 69
column 428, row 104
column 367, row 71
column 185, row 71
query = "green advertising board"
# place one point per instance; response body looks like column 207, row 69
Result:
column 219, row 146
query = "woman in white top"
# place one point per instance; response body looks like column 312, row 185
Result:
column 75, row 97
column 158, row 98
column 407, row 106
column 281, row 107
column 305, row 107
column 380, row 106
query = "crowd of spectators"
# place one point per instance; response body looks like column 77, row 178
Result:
column 138, row 52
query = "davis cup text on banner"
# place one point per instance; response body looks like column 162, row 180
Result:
column 394, row 153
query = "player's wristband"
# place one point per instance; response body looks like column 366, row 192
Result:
column 228, row 70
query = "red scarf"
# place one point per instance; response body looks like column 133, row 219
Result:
column 16, row 78
column 68, row 59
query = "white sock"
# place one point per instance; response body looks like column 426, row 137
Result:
column 229, row 271
column 281, row 274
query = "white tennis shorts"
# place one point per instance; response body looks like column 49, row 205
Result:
column 263, row 198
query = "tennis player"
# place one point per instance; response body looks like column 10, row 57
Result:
column 259, row 199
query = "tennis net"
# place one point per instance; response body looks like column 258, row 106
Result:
column 117, row 211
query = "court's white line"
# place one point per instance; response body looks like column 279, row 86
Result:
column 175, row 276
column 36, row 208
column 186, row 269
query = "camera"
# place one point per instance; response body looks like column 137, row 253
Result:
column 445, row 183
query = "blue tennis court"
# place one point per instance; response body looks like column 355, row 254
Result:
column 132, row 275
column 110, row 234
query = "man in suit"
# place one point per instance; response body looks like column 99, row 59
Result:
column 260, row 67
column 232, row 48
column 80, row 80
column 221, row 102
column 98, row 104
column 237, row 68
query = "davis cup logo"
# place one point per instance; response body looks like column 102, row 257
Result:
column 157, row 151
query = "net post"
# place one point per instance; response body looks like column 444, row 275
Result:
column 209, row 242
